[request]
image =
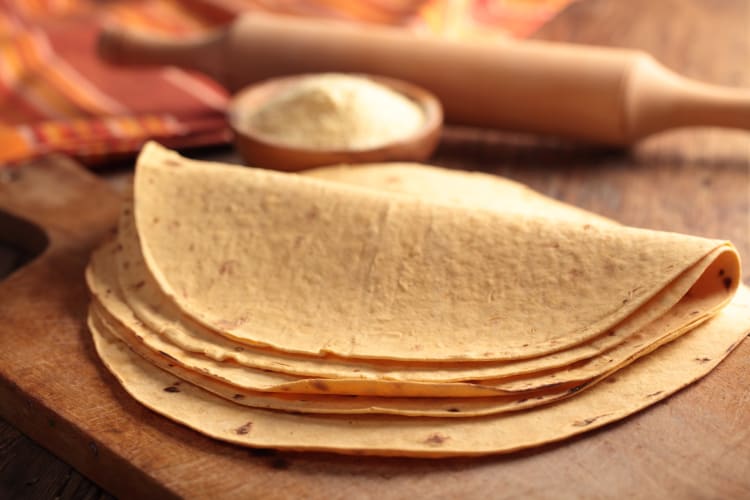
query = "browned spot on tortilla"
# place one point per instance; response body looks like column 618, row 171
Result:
column 654, row 394
column 312, row 213
column 108, row 291
column 244, row 428
column 155, row 220
column 320, row 385
column 298, row 241
column 228, row 267
column 454, row 410
column 522, row 401
column 611, row 380
column 721, row 272
column 238, row 396
column 576, row 273
column 436, row 439
column 611, row 333
column 588, row 421
column 167, row 355
column 191, row 247
column 576, row 389
column 171, row 388
column 239, row 349
column 693, row 313
column 172, row 162
column 728, row 282
column 118, row 248
column 702, row 360
column 729, row 349
column 126, row 265
column 587, row 226
column 138, row 285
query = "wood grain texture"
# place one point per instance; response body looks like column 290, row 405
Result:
column 693, row 445
column 28, row 471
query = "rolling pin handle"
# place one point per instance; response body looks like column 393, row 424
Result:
column 657, row 99
column 128, row 48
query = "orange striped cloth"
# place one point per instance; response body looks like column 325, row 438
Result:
column 56, row 96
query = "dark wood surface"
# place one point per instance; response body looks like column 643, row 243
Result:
column 695, row 181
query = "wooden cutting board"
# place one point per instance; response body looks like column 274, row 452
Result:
column 52, row 387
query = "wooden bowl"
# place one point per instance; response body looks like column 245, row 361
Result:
column 260, row 151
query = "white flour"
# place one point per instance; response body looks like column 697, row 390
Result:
column 337, row 112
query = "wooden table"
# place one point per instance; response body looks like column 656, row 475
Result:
column 694, row 181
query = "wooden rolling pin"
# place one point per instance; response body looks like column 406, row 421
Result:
column 606, row 95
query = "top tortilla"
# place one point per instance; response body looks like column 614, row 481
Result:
column 313, row 267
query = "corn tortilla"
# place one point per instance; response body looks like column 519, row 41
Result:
column 643, row 383
column 315, row 403
column 462, row 188
column 420, row 281
column 150, row 305
column 686, row 314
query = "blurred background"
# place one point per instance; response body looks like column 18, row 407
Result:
column 57, row 96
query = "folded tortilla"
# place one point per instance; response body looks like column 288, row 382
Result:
column 104, row 285
column 312, row 267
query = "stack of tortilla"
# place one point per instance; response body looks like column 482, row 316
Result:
column 397, row 309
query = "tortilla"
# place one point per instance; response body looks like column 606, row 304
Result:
column 104, row 286
column 637, row 386
column 421, row 281
column 153, row 307
column 316, row 403
column 448, row 187
column 259, row 327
